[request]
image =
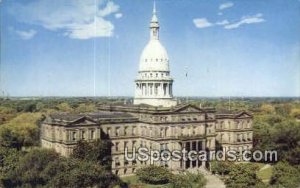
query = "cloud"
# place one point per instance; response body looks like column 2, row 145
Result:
column 226, row 5
column 25, row 35
column 118, row 15
column 246, row 20
column 224, row 22
column 220, row 13
column 202, row 23
column 76, row 19
column 98, row 28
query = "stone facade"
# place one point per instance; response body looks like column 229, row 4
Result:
column 182, row 126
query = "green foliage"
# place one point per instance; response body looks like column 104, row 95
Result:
column 243, row 176
column 45, row 168
column 29, row 168
column 285, row 175
column 64, row 107
column 278, row 132
column 267, row 108
column 7, row 110
column 79, row 174
column 86, row 108
column 187, row 180
column 154, row 174
column 8, row 161
column 220, row 167
column 98, row 151
column 21, row 131
column 286, row 138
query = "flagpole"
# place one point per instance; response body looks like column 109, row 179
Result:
column 186, row 76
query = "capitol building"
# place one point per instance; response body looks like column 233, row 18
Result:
column 155, row 120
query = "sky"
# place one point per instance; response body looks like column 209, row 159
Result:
column 92, row 47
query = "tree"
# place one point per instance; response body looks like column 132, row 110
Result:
column 285, row 175
column 21, row 131
column 267, row 108
column 286, row 138
column 295, row 112
column 10, row 139
column 98, row 151
column 65, row 107
column 220, row 167
column 80, row 174
column 243, row 176
column 30, row 107
column 86, row 108
column 29, row 168
column 45, row 168
column 8, row 162
column 154, row 174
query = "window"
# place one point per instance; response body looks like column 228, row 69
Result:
column 125, row 170
column 166, row 131
column 125, row 130
column 74, row 135
column 238, row 138
column 117, row 131
column 117, row 162
column 117, row 146
column 125, row 145
column 243, row 137
column 126, row 162
column 83, row 135
column 92, row 134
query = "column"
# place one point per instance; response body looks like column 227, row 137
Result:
column 191, row 149
column 168, row 89
column 203, row 148
column 183, row 162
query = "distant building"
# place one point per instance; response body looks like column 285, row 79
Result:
column 155, row 121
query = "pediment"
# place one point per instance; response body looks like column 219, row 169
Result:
column 83, row 121
column 243, row 115
column 188, row 108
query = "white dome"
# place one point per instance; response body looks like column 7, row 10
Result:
column 154, row 57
